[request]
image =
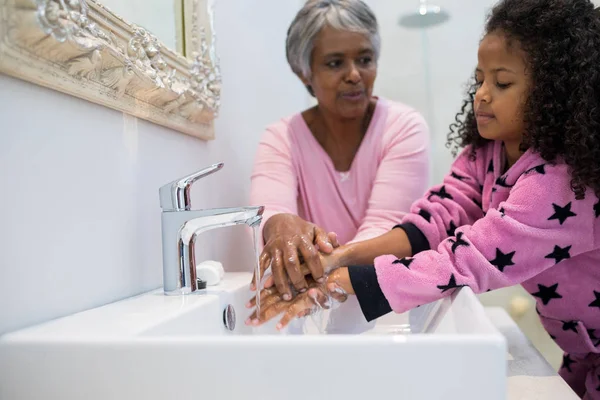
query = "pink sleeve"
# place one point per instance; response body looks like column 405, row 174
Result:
column 273, row 182
column 533, row 230
column 456, row 202
column 401, row 177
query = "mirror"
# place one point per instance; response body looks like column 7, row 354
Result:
column 161, row 17
column 83, row 48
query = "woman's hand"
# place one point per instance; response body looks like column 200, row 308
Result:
column 329, row 262
column 318, row 296
column 291, row 241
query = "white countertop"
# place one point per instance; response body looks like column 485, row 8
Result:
column 530, row 377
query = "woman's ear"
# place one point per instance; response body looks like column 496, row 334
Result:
column 307, row 84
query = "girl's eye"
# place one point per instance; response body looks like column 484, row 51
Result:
column 503, row 85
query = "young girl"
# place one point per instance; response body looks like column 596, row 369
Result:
column 520, row 204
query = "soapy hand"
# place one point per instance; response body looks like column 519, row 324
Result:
column 319, row 296
column 291, row 241
column 329, row 262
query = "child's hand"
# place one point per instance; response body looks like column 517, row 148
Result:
column 339, row 282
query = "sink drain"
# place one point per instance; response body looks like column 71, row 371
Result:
column 229, row 317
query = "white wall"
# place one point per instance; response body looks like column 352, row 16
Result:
column 79, row 212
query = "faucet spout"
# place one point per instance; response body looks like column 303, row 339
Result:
column 204, row 220
column 179, row 232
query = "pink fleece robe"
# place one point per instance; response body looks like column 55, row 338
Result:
column 486, row 229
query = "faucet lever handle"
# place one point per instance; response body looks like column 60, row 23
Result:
column 175, row 196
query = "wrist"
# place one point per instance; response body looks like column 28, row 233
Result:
column 340, row 278
column 345, row 254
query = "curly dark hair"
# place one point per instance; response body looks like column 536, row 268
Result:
column 561, row 40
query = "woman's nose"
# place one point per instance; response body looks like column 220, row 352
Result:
column 353, row 74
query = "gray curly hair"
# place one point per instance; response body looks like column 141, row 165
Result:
column 347, row 15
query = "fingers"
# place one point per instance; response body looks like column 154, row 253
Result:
column 322, row 240
column 264, row 262
column 294, row 311
column 304, row 313
column 269, row 282
column 253, row 282
column 292, row 266
column 262, row 295
column 280, row 277
column 303, row 306
column 311, row 260
column 273, row 307
column 270, row 307
column 319, row 298
column 333, row 239
column 336, row 292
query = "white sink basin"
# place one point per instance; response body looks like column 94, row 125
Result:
column 159, row 347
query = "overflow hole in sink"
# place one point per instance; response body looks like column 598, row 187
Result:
column 229, row 317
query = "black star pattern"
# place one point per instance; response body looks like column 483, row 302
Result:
column 494, row 190
column 592, row 335
column 451, row 285
column 546, row 294
column 477, row 203
column 562, row 213
column 404, row 261
column 540, row 169
column 502, row 260
column 491, row 166
column 458, row 242
column 451, row 229
column 457, row 176
column 570, row 326
column 567, row 361
column 425, row 215
column 501, row 181
column 560, row 253
column 597, row 209
column 553, row 337
column 442, row 194
column 502, row 211
column 595, row 303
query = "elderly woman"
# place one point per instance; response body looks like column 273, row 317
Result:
column 353, row 164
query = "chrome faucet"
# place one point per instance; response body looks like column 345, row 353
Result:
column 181, row 225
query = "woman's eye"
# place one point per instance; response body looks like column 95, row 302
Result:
column 334, row 64
column 366, row 60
